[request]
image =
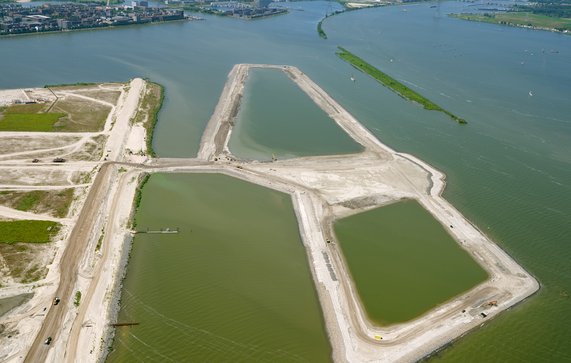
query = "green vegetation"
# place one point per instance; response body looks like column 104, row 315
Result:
column 139, row 195
column 393, row 84
column 40, row 122
column 523, row 19
column 55, row 202
column 28, row 231
column 70, row 85
column 20, row 262
column 149, row 112
column 28, row 201
column 77, row 299
column 320, row 30
column 100, row 241
column 82, row 115
column 25, row 108
column 70, row 114
column 155, row 105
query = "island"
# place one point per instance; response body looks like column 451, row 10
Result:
column 397, row 87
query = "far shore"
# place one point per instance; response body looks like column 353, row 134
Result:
column 519, row 20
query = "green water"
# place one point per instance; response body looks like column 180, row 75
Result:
column 404, row 262
column 232, row 286
column 277, row 117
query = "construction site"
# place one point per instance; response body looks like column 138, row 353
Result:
column 323, row 189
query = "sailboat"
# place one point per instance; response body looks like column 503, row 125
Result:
column 352, row 78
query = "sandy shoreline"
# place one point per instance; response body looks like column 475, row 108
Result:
column 323, row 189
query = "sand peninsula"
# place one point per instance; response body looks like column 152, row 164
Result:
column 323, row 189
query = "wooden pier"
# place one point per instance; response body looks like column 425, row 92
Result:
column 124, row 324
column 159, row 231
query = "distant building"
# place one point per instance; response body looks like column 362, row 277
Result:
column 262, row 3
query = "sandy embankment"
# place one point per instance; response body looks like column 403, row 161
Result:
column 101, row 269
column 75, row 265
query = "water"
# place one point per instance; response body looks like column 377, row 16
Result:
column 508, row 170
column 401, row 272
column 233, row 285
column 277, row 117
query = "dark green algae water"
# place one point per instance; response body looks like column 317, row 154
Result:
column 508, row 171
column 403, row 262
column 233, row 286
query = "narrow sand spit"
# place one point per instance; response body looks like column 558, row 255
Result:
column 323, row 189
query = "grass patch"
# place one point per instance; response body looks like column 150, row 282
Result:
column 393, row 84
column 28, row 201
column 100, row 240
column 92, row 150
column 82, row 115
column 103, row 95
column 523, row 19
column 54, row 202
column 68, row 85
column 35, row 273
column 320, row 30
column 71, row 114
column 40, row 122
column 139, row 196
column 28, row 231
column 148, row 113
column 24, row 262
column 77, row 299
column 26, row 108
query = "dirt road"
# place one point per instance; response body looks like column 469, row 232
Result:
column 69, row 265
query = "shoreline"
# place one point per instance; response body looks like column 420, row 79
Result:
column 8, row 36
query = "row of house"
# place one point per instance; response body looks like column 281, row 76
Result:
column 15, row 19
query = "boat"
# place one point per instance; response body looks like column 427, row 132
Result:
column 352, row 78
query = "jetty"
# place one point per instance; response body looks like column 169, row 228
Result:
column 124, row 324
column 166, row 230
